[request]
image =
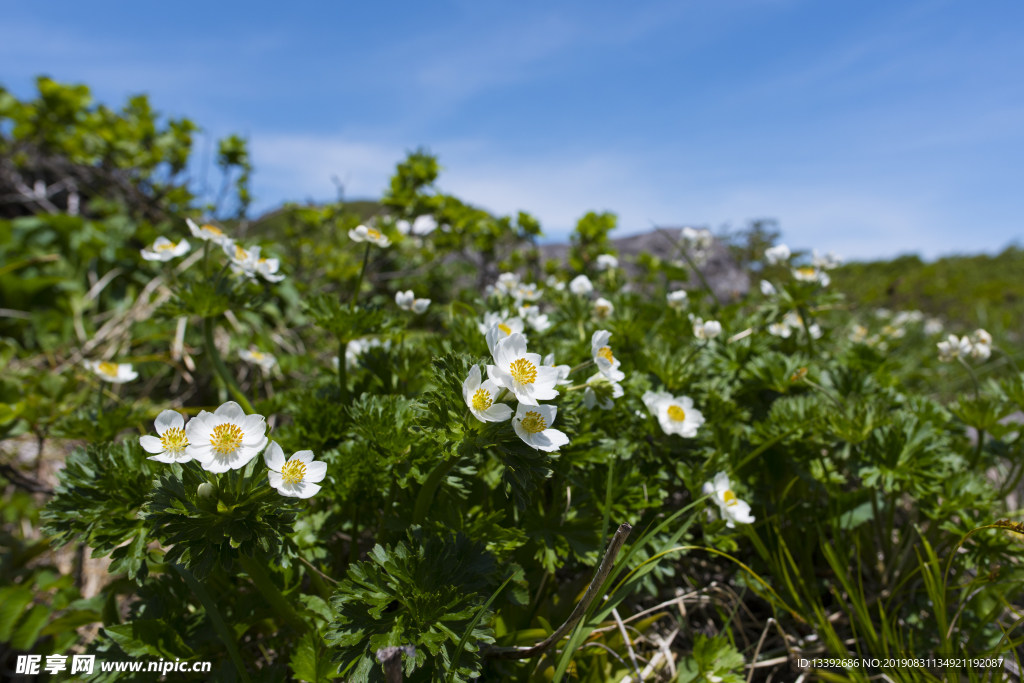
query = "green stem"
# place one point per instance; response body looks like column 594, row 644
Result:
column 221, row 369
column 582, row 365
column 426, row 495
column 977, row 451
column 206, row 260
column 807, row 330
column 974, row 376
column 359, row 282
column 270, row 592
column 218, row 621
column 99, row 400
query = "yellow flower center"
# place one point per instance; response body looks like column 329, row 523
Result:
column 257, row 356
column 806, row 271
column 373, row 234
column 481, row 399
column 606, row 353
column 504, row 328
column 174, row 439
column 226, row 438
column 293, row 471
column 523, row 371
column 212, row 229
column 107, row 368
column 533, row 422
column 676, row 413
column 166, row 246
column 602, row 310
column 730, row 498
column 240, row 254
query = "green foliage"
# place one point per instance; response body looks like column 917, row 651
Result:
column 421, row 593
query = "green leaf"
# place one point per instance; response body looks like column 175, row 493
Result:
column 311, row 660
column 149, row 637
column 28, row 630
column 13, row 601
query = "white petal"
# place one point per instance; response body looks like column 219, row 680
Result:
column 230, row 411
column 274, row 457
column 302, row 456
column 169, row 419
column 151, row 444
column 499, row 412
column 315, row 471
column 276, row 479
column 304, row 489
column 471, row 383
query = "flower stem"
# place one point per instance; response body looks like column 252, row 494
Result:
column 221, row 369
column 359, row 282
column 272, row 595
column 581, row 366
column 807, row 331
column 974, row 377
column 218, row 621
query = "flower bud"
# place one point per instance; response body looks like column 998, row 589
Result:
column 206, row 490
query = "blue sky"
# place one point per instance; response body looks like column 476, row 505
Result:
column 869, row 128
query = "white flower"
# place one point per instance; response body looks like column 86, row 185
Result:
column 481, row 397
column 732, row 509
column 423, row 225
column 521, row 372
column 590, row 396
column 794, row 320
column 534, row 318
column 243, row 261
column 532, row 424
column 981, row 344
column 507, row 283
column 894, row 332
column 555, row 283
column 526, row 292
column 357, row 347
column 780, row 330
column 407, row 301
column 226, row 439
column 115, row 373
column 606, row 261
column 675, row 414
column 296, row 478
column 883, row 313
column 677, row 299
column 776, row 255
column 563, row 370
column 502, row 329
column 826, row 262
column 164, row 250
column 933, row 326
column 698, row 238
column 267, row 268
column 904, row 317
column 706, row 330
column 170, row 447
column 605, row 361
column 812, row 274
column 266, row 361
column 581, row 285
column 207, row 233
column 603, row 308
column 953, row 348
column 859, row 334
column 982, row 337
column 362, row 233
column 768, row 289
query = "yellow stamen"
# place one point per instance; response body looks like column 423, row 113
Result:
column 374, row 234
column 504, row 328
column 240, row 254
column 482, row 399
column 226, row 438
column 293, row 471
column 214, row 230
column 166, row 246
column 676, row 413
column 606, row 353
column 523, row 371
column 107, row 368
column 730, row 498
column 533, row 422
column 807, row 271
column 174, row 439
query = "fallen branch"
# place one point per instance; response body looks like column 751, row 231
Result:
column 603, row 571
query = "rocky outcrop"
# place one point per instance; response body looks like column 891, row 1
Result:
column 727, row 280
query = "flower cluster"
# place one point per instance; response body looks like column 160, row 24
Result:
column 978, row 345
column 228, row 439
